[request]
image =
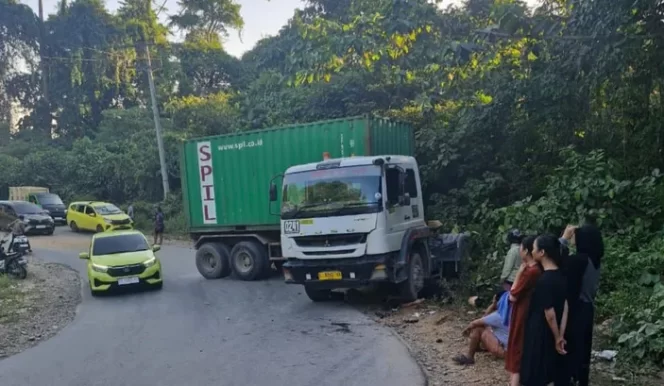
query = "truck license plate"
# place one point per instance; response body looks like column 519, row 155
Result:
column 329, row 275
column 291, row 226
column 128, row 280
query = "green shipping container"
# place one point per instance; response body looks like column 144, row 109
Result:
column 226, row 178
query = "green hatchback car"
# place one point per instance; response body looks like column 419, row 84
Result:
column 122, row 259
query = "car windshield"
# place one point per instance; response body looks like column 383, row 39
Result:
column 111, row 245
column 107, row 209
column 27, row 208
column 318, row 193
column 49, row 199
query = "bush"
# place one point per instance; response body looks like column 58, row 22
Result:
column 630, row 216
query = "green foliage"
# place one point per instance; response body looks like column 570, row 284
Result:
column 493, row 89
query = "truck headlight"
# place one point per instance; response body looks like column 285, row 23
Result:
column 99, row 268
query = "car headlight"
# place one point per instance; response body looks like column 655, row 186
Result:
column 150, row 262
column 107, row 221
column 99, row 268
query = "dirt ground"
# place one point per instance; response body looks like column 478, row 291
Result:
column 433, row 333
column 36, row 308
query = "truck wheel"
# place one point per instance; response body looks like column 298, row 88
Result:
column 411, row 287
column 318, row 295
column 212, row 260
column 249, row 261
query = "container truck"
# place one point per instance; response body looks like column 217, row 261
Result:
column 230, row 193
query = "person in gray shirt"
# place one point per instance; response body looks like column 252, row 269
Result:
column 512, row 260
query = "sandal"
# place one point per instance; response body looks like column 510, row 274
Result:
column 463, row 360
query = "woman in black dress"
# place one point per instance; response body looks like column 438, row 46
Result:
column 582, row 271
column 547, row 317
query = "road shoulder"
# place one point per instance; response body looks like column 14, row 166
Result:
column 37, row 308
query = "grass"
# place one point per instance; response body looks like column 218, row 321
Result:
column 11, row 300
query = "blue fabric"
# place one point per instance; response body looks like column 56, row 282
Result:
column 505, row 308
column 500, row 331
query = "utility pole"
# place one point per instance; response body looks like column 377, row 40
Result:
column 157, row 124
column 42, row 52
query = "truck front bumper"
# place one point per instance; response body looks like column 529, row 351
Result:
column 354, row 272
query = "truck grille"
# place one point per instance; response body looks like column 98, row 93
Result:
column 323, row 241
column 126, row 270
column 121, row 222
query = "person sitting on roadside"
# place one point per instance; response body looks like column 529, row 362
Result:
column 512, row 259
column 490, row 331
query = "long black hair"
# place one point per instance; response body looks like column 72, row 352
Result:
column 528, row 243
column 553, row 248
column 589, row 242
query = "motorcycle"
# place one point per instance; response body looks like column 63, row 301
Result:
column 12, row 263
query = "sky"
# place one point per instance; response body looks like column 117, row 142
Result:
column 262, row 18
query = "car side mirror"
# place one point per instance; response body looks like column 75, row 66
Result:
column 273, row 192
column 156, row 247
column 84, row 256
column 404, row 200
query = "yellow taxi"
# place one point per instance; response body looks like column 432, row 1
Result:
column 97, row 216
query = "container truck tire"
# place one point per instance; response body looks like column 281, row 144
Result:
column 411, row 287
column 212, row 260
column 318, row 295
column 249, row 261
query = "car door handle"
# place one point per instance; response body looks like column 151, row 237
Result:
column 406, row 217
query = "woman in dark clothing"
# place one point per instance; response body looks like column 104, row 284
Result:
column 547, row 317
column 583, row 272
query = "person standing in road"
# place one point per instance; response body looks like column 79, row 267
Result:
column 159, row 226
column 130, row 211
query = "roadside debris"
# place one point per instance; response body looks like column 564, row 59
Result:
column 608, row 355
column 412, row 304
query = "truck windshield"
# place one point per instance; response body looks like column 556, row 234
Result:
column 332, row 192
column 49, row 199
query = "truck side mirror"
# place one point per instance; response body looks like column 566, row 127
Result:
column 273, row 192
column 404, row 200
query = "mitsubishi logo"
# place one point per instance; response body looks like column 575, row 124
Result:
column 327, row 243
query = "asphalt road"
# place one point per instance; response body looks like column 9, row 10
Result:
column 219, row 332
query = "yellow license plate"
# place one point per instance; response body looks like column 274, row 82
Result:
column 329, row 275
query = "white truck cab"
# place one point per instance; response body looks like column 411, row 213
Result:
column 350, row 222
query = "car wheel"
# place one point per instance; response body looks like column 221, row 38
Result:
column 318, row 295
column 73, row 226
column 94, row 293
column 212, row 260
column 100, row 229
column 249, row 261
column 50, row 233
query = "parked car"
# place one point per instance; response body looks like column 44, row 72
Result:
column 36, row 219
column 52, row 203
column 97, row 216
column 122, row 260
